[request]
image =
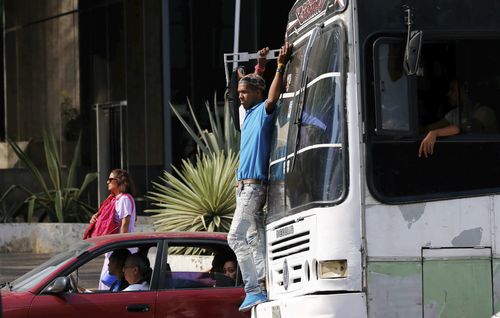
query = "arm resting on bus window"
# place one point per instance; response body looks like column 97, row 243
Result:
column 438, row 124
column 427, row 144
column 275, row 89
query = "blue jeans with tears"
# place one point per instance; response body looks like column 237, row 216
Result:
column 247, row 235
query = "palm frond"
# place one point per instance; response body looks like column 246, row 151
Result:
column 59, row 201
column 200, row 196
column 21, row 154
column 199, row 141
column 218, row 137
column 74, row 162
column 52, row 158
column 203, row 201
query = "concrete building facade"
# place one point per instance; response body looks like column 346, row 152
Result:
column 110, row 68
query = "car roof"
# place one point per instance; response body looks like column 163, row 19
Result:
column 116, row 238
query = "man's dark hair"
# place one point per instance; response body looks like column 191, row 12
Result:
column 254, row 80
column 120, row 256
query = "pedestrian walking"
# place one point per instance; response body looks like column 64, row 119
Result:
column 116, row 215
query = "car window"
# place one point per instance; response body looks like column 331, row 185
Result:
column 87, row 275
column 40, row 272
column 191, row 266
column 97, row 275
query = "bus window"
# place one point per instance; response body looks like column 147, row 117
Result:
column 460, row 86
column 392, row 89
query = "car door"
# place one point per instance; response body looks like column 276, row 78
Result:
column 206, row 303
column 140, row 304
column 89, row 302
column 189, row 287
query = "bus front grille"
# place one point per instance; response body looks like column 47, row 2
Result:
column 290, row 245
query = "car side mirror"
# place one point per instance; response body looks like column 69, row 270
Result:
column 59, row 285
column 412, row 53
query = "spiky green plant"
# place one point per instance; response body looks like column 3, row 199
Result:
column 10, row 210
column 201, row 196
column 59, row 200
column 200, row 199
column 218, row 138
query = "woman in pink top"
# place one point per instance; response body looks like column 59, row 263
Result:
column 121, row 186
column 116, row 214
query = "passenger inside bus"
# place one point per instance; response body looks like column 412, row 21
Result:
column 463, row 116
column 460, row 164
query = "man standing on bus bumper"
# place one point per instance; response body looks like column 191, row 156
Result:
column 252, row 178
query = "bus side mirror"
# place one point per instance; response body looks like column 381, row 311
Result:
column 412, row 53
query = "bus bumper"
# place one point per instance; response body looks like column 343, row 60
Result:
column 332, row 305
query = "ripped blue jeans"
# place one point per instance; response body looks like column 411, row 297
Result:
column 247, row 235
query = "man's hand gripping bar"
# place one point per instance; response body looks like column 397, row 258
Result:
column 245, row 57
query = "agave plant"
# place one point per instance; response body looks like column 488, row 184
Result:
column 9, row 210
column 218, row 138
column 200, row 197
column 59, row 200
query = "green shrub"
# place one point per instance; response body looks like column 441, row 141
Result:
column 59, row 200
column 201, row 196
column 200, row 199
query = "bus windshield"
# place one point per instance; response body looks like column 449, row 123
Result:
column 307, row 158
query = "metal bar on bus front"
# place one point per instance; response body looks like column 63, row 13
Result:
column 245, row 57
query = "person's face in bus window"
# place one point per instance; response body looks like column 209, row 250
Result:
column 229, row 269
column 453, row 93
column 249, row 95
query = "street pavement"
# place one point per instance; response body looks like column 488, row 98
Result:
column 13, row 265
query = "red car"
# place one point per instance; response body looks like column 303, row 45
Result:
column 182, row 283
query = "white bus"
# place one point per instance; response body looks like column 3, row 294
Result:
column 358, row 224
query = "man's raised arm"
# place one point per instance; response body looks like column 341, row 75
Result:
column 275, row 89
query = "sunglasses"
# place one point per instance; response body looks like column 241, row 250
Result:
column 111, row 179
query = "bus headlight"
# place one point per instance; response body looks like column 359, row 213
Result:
column 332, row 269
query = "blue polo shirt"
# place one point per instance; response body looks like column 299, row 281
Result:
column 255, row 143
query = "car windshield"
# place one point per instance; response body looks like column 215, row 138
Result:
column 40, row 272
